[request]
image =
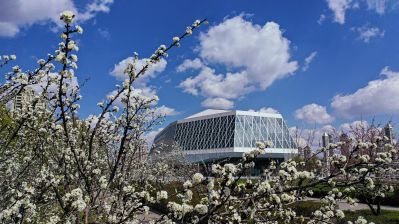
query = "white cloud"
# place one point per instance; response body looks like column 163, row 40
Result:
column 308, row 60
column 255, row 56
column 266, row 110
column 8, row 29
column 150, row 136
column 92, row 119
column 95, row 7
column 380, row 96
column 209, row 84
column 155, row 69
column 18, row 14
column 321, row 19
column 347, row 127
column 310, row 137
column 313, row 114
column 145, row 92
column 367, row 32
column 190, row 64
column 218, row 103
column 339, row 8
column 53, row 87
column 141, row 87
column 377, row 5
column 313, row 136
column 140, row 92
column 166, row 111
column 299, row 137
column 261, row 51
column 104, row 33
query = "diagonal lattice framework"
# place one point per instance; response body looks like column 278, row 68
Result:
column 251, row 129
column 233, row 131
column 212, row 133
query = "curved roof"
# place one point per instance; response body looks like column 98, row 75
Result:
column 207, row 112
column 211, row 113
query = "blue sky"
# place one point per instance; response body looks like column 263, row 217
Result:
column 316, row 62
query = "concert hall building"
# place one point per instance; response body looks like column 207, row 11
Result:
column 214, row 135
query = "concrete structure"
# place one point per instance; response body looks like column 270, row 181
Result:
column 226, row 134
column 24, row 99
column 388, row 131
column 326, row 140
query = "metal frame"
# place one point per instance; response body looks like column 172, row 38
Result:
column 214, row 133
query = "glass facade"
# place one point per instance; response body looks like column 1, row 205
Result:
column 232, row 131
column 167, row 136
column 252, row 129
column 212, row 133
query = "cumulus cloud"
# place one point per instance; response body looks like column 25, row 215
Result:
column 141, row 85
column 313, row 136
column 367, row 32
column 166, row 111
column 314, row 114
column 150, row 136
column 347, row 127
column 217, row 103
column 339, row 8
column 209, row 84
column 309, row 60
column 310, row 136
column 266, row 110
column 377, row 5
column 380, row 96
column 95, row 7
column 53, row 87
column 8, row 29
column 190, row 64
column 261, row 50
column 155, row 69
column 298, row 136
column 18, row 14
column 145, row 92
column 255, row 56
column 140, row 92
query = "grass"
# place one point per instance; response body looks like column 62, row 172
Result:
column 306, row 208
column 386, row 216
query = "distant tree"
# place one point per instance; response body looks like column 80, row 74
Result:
column 376, row 182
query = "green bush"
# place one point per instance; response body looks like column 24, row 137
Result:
column 320, row 190
column 391, row 199
column 305, row 208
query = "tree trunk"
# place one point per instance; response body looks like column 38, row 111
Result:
column 87, row 212
column 379, row 207
column 371, row 207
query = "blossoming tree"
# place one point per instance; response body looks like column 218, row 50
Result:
column 58, row 168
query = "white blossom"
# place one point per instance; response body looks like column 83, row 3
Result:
column 161, row 195
column 67, row 16
column 79, row 29
column 201, row 209
column 197, row 178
